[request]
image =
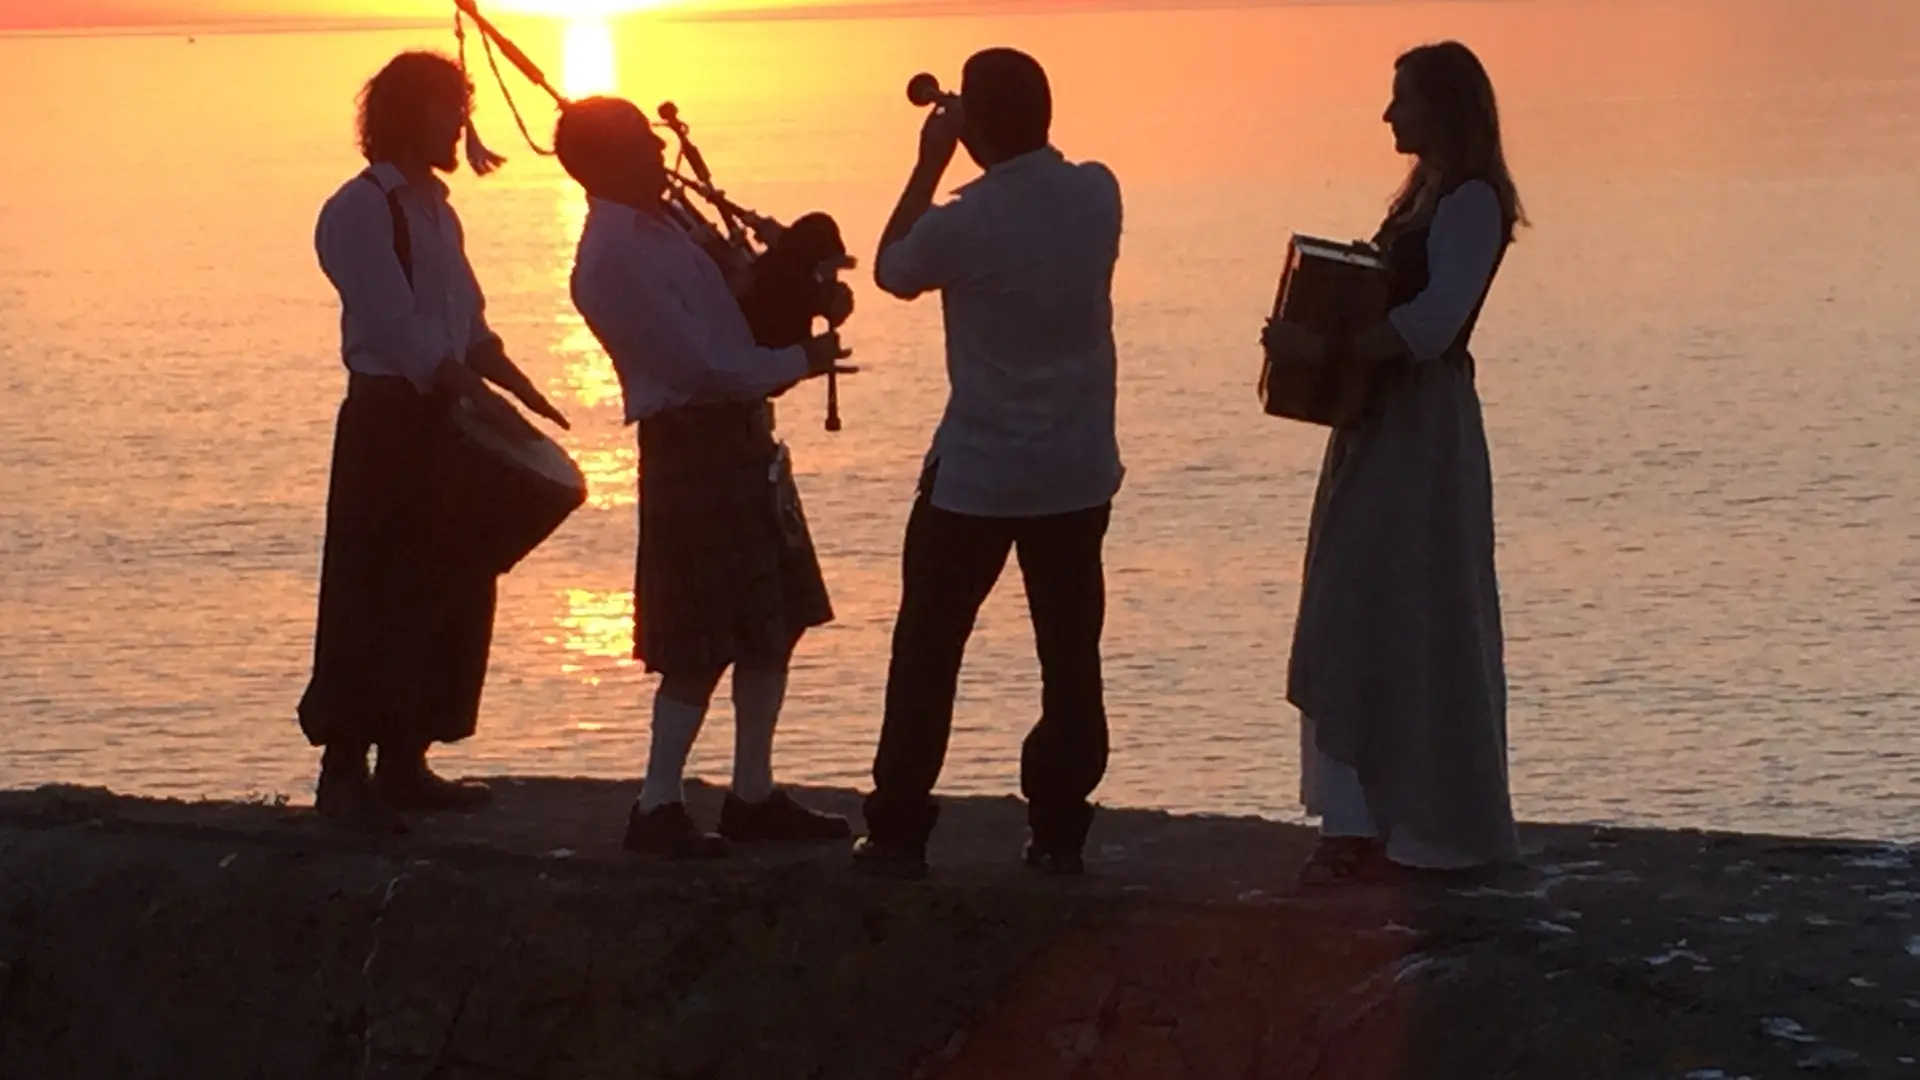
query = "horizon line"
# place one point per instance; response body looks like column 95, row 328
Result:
column 825, row 10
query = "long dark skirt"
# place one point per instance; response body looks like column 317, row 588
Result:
column 726, row 571
column 400, row 652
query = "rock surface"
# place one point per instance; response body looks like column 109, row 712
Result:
column 157, row 940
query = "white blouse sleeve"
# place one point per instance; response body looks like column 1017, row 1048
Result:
column 354, row 239
column 1462, row 247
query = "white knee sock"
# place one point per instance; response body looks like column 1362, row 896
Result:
column 675, row 726
column 757, row 697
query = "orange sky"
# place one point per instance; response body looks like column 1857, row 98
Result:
column 18, row 15
column 77, row 14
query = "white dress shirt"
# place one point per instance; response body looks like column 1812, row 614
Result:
column 388, row 327
column 666, row 317
column 1463, row 246
column 1024, row 259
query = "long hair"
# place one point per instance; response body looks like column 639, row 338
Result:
column 1453, row 84
column 394, row 103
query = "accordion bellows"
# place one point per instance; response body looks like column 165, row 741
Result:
column 1335, row 290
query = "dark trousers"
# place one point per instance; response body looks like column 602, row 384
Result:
column 404, row 628
column 951, row 564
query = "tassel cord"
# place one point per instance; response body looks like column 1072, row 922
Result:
column 500, row 80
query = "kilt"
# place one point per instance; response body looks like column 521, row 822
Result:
column 725, row 571
column 404, row 626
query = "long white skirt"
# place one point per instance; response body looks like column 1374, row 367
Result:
column 1332, row 792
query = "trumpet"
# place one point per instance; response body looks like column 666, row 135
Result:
column 785, row 276
column 924, row 90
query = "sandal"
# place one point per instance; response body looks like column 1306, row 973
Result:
column 1341, row 860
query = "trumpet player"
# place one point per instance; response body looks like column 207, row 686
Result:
column 726, row 574
column 1025, row 459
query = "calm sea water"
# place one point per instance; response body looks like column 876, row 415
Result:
column 1701, row 369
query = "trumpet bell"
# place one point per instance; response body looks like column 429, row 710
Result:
column 924, row 90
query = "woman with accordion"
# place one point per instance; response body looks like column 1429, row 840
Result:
column 1397, row 662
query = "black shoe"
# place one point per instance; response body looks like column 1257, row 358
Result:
column 1056, row 833
column 425, row 793
column 890, row 860
column 1053, row 860
column 668, row 831
column 409, row 786
column 347, row 798
column 779, row 820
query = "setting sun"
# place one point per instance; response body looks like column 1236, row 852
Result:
column 587, row 59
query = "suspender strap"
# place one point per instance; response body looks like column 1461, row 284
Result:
column 402, row 235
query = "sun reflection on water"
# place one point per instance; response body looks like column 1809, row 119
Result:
column 612, row 467
column 588, row 373
column 596, row 626
column 613, row 476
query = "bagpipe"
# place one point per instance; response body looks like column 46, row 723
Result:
column 785, row 276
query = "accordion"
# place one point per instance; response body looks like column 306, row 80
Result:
column 1335, row 290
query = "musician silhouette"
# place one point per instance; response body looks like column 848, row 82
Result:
column 726, row 574
column 406, row 612
column 1397, row 663
column 1025, row 458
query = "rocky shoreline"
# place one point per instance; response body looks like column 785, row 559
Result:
column 145, row 939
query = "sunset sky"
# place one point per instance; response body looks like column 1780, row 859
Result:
column 95, row 14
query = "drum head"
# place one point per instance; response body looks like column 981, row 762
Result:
column 534, row 453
